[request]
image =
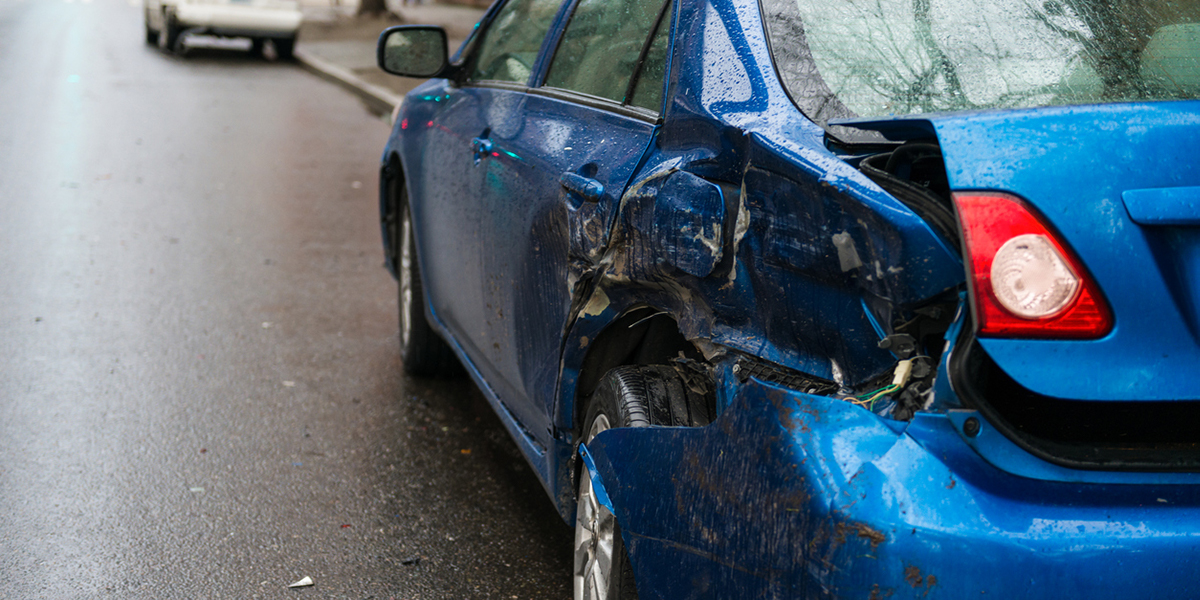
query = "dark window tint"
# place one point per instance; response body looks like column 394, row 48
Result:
column 600, row 49
column 647, row 90
column 511, row 43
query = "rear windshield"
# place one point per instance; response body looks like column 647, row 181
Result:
column 873, row 58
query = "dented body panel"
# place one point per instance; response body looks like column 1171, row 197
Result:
column 787, row 259
column 790, row 495
column 555, row 231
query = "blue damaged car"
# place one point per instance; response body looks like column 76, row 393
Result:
column 822, row 298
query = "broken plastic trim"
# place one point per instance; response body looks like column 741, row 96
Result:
column 597, row 485
column 889, row 395
column 745, row 368
column 915, row 174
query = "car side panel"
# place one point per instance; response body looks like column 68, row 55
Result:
column 446, row 215
column 235, row 17
column 782, row 290
column 444, row 196
column 539, row 237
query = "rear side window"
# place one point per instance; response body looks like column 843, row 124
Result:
column 602, row 45
column 511, row 43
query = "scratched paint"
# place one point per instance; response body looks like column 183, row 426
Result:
column 805, row 284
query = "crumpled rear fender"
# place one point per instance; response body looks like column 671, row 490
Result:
column 789, row 495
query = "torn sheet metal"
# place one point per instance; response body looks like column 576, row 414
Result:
column 689, row 223
column 789, row 495
column 793, row 264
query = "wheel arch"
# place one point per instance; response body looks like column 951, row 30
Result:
column 391, row 181
column 639, row 334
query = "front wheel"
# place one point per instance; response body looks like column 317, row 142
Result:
column 423, row 352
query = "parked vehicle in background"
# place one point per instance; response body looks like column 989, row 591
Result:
column 276, row 21
column 822, row 298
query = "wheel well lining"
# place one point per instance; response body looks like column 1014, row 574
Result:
column 643, row 335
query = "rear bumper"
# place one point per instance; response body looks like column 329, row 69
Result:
column 789, row 495
column 237, row 20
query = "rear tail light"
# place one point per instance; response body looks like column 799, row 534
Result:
column 1024, row 281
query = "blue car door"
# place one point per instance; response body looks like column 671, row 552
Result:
column 555, row 160
column 455, row 219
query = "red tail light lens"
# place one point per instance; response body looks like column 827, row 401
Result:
column 1024, row 281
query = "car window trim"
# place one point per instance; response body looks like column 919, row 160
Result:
column 840, row 135
column 560, row 31
column 470, row 48
column 510, row 86
column 553, row 37
column 635, row 112
column 596, row 102
column 641, row 61
column 464, row 51
column 467, row 55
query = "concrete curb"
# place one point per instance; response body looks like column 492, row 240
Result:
column 379, row 100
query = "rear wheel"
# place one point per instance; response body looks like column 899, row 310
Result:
column 168, row 36
column 151, row 35
column 284, row 48
column 629, row 396
column 602, row 570
column 423, row 352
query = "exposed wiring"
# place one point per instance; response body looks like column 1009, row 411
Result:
column 640, row 321
column 870, row 398
column 902, row 374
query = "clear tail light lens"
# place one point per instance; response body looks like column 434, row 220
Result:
column 1024, row 281
column 1031, row 279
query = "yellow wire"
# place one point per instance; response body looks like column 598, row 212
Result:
column 871, row 397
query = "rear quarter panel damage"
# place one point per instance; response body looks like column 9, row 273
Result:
column 783, row 264
column 789, row 495
column 792, row 255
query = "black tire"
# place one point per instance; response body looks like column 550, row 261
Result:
column 675, row 395
column 168, row 36
column 256, row 47
column 151, row 35
column 619, row 401
column 284, row 48
column 679, row 394
column 423, row 352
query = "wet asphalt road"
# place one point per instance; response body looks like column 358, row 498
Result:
column 200, row 392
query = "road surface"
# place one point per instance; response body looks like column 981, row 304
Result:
column 200, row 390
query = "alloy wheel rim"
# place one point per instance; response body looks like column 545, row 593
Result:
column 594, row 534
column 405, row 278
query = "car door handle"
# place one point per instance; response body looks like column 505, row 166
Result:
column 585, row 187
column 481, row 147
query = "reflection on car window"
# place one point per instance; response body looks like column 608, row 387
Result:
column 600, row 49
column 512, row 41
column 883, row 57
column 647, row 90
